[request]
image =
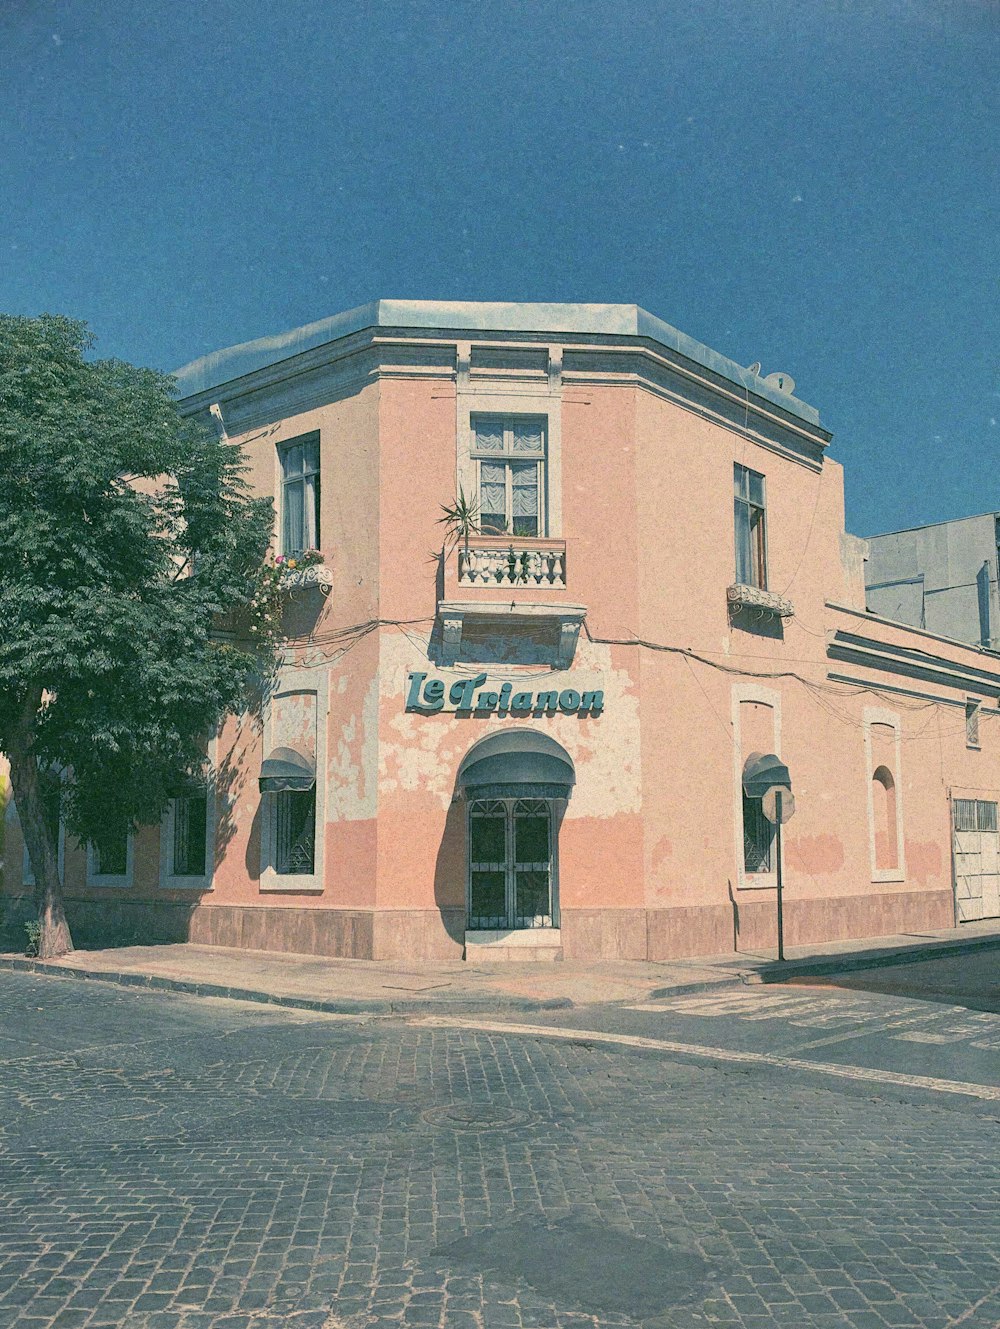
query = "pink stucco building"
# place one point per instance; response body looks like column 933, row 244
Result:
column 532, row 741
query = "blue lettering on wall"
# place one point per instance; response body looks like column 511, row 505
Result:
column 426, row 695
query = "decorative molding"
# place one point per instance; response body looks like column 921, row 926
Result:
column 910, row 662
column 453, row 613
column 741, row 596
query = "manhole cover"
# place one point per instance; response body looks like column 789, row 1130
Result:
column 475, row 1116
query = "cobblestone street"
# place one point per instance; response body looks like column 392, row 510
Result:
column 201, row 1164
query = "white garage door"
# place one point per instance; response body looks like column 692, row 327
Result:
column 977, row 860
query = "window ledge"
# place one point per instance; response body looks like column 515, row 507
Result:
column 758, row 881
column 275, row 882
column 170, row 883
column 741, row 596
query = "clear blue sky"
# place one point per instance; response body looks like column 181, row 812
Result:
column 808, row 183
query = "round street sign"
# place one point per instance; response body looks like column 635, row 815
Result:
column 769, row 804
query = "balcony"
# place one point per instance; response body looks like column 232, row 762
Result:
column 505, row 594
column 512, row 561
column 740, row 596
column 295, row 579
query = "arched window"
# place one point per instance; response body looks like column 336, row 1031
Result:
column 884, row 819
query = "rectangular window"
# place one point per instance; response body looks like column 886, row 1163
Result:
column 751, row 548
column 112, row 859
column 965, row 814
column 190, row 839
column 295, row 832
column 300, row 495
column 509, row 452
column 758, row 834
column 972, row 724
column 986, row 816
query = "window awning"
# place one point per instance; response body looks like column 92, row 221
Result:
column 286, row 769
column 762, row 772
column 519, row 763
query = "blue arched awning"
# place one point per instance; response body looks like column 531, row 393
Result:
column 517, row 763
column 286, row 769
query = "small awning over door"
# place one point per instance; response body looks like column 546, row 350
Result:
column 762, row 772
column 286, row 769
column 518, row 763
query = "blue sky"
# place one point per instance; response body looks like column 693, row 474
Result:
column 812, row 184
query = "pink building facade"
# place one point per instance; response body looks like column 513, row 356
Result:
column 531, row 742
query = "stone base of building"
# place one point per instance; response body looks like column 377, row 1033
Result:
column 439, row 934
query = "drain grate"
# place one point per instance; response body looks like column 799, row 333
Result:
column 475, row 1116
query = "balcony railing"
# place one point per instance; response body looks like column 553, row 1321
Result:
column 293, row 579
column 512, row 561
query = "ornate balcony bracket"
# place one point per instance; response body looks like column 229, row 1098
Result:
column 741, row 596
column 509, row 616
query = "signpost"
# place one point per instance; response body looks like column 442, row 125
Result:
column 767, row 778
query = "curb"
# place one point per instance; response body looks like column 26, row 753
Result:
column 775, row 972
column 778, row 973
column 324, row 1006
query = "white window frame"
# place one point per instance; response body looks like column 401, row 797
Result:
column 116, row 880
column 505, row 458
column 485, row 397
column 749, row 692
column 313, row 436
column 292, row 680
column 171, row 880
column 872, row 716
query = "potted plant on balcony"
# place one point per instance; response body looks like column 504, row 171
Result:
column 460, row 520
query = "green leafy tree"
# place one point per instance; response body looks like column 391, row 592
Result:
column 125, row 531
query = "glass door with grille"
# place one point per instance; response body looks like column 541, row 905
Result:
column 511, row 854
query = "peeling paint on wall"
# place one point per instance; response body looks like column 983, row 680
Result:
column 352, row 768
column 424, row 751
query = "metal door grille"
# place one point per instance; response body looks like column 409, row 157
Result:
column 510, row 864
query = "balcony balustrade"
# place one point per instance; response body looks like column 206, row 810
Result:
column 516, row 560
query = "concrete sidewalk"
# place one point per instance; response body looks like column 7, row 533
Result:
column 385, row 988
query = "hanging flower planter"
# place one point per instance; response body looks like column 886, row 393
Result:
column 299, row 570
column 280, row 576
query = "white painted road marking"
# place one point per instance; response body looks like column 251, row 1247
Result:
column 980, row 1028
column 990, row 1093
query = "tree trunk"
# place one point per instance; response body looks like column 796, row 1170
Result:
column 43, row 853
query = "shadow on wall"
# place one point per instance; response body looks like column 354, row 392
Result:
column 756, row 622
column 449, row 872
column 103, row 924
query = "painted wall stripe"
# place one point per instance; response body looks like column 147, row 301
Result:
column 990, row 1093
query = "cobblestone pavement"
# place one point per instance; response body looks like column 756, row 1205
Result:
column 202, row 1165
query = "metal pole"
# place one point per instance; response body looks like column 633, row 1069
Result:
column 781, row 921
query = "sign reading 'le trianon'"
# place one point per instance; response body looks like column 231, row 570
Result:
column 475, row 695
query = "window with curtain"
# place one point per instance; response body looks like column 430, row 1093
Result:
column 300, row 495
column 751, row 548
column 509, row 452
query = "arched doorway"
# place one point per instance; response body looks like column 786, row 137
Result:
column 515, row 785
